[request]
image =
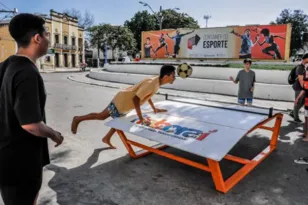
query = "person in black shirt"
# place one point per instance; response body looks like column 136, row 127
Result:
column 23, row 137
column 297, row 87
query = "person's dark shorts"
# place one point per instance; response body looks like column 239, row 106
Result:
column 176, row 49
column 23, row 193
column 113, row 111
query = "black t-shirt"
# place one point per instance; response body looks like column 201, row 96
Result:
column 22, row 101
column 299, row 71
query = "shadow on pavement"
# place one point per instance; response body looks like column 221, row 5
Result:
column 157, row 180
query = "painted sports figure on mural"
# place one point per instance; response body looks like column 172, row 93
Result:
column 148, row 46
column 162, row 43
column 273, row 46
column 177, row 41
column 247, row 43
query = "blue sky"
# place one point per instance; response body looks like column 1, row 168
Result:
column 223, row 12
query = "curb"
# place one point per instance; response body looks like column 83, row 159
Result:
column 176, row 95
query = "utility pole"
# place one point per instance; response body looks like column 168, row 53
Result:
column 159, row 15
column 207, row 17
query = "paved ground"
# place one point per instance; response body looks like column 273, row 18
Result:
column 84, row 172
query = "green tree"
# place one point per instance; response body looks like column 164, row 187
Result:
column 141, row 21
column 116, row 37
column 299, row 21
column 173, row 19
column 144, row 21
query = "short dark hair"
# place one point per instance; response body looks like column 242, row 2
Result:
column 148, row 38
column 248, row 60
column 24, row 26
column 305, row 56
column 265, row 32
column 166, row 70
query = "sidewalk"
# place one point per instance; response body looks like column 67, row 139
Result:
column 277, row 105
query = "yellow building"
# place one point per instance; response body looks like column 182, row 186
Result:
column 8, row 46
column 66, row 40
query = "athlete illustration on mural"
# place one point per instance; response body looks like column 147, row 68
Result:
column 273, row 46
column 162, row 43
column 148, row 46
column 247, row 43
column 177, row 41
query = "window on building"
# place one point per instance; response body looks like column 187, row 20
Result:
column 73, row 41
column 47, row 58
column 57, row 38
column 65, row 40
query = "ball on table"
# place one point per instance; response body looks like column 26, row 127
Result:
column 184, row 70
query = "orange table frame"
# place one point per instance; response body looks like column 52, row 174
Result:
column 213, row 166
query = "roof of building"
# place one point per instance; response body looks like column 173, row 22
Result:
column 5, row 22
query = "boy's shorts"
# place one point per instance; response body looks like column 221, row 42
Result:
column 242, row 100
column 113, row 111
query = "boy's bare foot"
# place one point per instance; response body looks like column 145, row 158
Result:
column 74, row 125
column 107, row 141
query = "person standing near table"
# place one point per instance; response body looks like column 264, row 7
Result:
column 23, row 137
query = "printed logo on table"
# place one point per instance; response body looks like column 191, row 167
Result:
column 174, row 129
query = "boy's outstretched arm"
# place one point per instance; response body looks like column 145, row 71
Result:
column 156, row 110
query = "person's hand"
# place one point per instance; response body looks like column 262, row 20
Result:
column 296, row 101
column 57, row 138
column 157, row 110
column 231, row 78
column 252, row 89
column 145, row 121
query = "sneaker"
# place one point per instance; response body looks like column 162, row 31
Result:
column 301, row 160
column 298, row 120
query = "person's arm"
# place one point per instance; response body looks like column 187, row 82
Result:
column 261, row 44
column 253, row 83
column 169, row 36
column 156, row 110
column 27, row 106
column 237, row 78
column 299, row 96
column 136, row 101
column 40, row 129
column 256, row 41
column 300, row 75
column 237, row 34
column 188, row 33
column 278, row 37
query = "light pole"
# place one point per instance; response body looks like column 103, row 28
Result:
column 207, row 17
column 15, row 11
column 159, row 15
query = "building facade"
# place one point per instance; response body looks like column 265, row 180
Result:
column 8, row 45
column 66, row 48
